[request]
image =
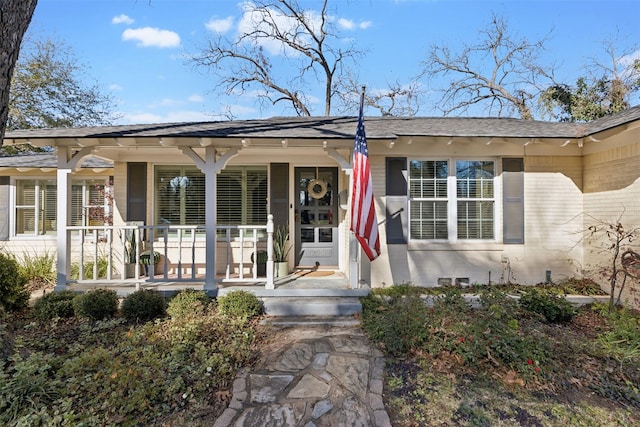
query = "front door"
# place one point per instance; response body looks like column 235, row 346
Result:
column 316, row 216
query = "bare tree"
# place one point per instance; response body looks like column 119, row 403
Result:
column 306, row 51
column 15, row 16
column 397, row 99
column 502, row 73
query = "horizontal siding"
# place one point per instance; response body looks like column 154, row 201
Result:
column 612, row 169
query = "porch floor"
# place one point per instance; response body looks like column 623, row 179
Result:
column 298, row 283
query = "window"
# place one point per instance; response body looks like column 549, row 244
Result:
column 241, row 195
column 180, row 195
column 451, row 199
column 90, row 202
column 429, row 202
column 36, row 205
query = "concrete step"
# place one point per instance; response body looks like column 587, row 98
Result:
column 312, row 321
column 311, row 306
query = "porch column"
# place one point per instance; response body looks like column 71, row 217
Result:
column 210, row 167
column 63, row 207
column 210, row 223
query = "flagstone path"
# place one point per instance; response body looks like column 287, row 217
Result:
column 318, row 376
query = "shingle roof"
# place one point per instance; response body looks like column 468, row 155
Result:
column 342, row 127
column 47, row 160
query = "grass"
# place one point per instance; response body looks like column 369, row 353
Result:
column 502, row 365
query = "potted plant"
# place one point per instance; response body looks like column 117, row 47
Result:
column 130, row 253
column 260, row 260
column 281, row 251
column 147, row 260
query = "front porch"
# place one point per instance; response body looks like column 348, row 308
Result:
column 134, row 255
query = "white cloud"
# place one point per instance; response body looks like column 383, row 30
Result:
column 220, row 26
column 115, row 87
column 152, row 37
column 629, row 59
column 348, row 24
column 168, row 117
column 122, row 19
column 195, row 98
column 140, row 118
column 250, row 22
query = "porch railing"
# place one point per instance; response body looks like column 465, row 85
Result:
column 109, row 253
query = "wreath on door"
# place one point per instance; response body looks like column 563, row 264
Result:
column 317, row 188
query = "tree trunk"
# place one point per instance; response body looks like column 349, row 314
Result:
column 15, row 16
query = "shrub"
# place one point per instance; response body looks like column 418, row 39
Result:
column 556, row 309
column 143, row 305
column 240, row 304
column 97, row 304
column 13, row 285
column 187, row 303
column 55, row 304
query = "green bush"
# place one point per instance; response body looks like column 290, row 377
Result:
column 452, row 329
column 188, row 303
column 55, row 304
column 240, row 304
column 97, row 304
column 143, row 305
column 13, row 285
column 555, row 308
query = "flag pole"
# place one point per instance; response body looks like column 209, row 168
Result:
column 354, row 245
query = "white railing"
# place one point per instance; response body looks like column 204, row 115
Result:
column 114, row 253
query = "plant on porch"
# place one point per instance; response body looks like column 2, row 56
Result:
column 281, row 251
column 147, row 260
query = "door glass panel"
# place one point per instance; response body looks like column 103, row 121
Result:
column 306, row 235
column 325, row 235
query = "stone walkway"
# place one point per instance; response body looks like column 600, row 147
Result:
column 323, row 376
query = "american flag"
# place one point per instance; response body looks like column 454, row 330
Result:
column 364, row 223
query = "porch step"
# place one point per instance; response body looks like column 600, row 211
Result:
column 312, row 321
column 311, row 306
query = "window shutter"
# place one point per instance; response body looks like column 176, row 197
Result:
column 513, row 200
column 136, row 191
column 280, row 193
column 396, row 200
column 4, row 207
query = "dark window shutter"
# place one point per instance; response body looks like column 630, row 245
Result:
column 136, row 191
column 4, row 207
column 279, row 184
column 513, row 200
column 396, row 200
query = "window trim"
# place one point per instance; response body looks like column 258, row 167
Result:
column 452, row 206
column 13, row 205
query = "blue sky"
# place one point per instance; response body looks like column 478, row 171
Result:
column 135, row 49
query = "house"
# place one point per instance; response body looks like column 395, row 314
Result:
column 459, row 200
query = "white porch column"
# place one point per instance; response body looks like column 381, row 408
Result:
column 67, row 163
column 211, row 223
column 210, row 167
column 63, row 208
